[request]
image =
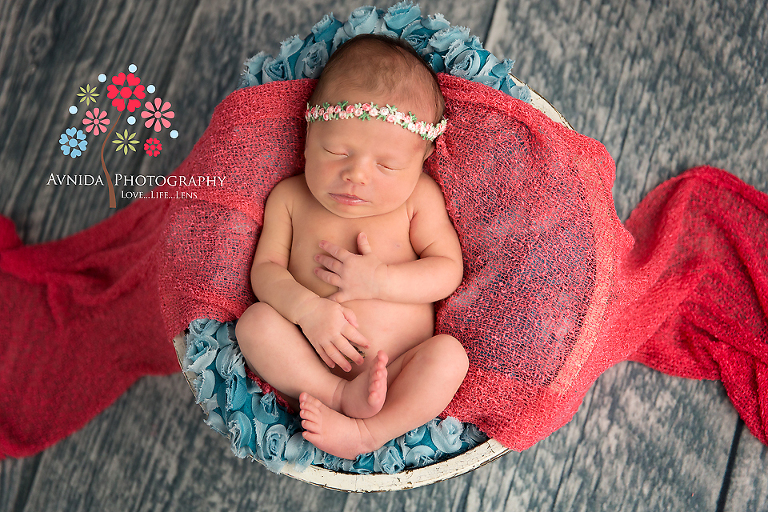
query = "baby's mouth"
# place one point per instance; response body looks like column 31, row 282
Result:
column 347, row 199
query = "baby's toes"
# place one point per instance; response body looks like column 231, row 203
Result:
column 310, row 408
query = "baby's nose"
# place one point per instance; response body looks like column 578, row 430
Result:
column 358, row 172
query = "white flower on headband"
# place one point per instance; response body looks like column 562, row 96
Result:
column 366, row 111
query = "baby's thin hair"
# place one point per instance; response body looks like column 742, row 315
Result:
column 381, row 64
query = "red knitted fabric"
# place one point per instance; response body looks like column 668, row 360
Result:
column 555, row 290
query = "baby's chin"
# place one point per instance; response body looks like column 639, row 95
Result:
column 355, row 211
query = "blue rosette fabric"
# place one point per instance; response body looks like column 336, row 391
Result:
column 258, row 427
column 448, row 49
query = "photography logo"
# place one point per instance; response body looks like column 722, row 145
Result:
column 124, row 94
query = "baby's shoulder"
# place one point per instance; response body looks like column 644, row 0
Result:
column 288, row 186
column 288, row 190
column 426, row 195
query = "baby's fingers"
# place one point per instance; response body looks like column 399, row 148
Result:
column 336, row 251
column 348, row 313
column 328, row 262
column 342, row 353
column 333, row 357
column 328, row 277
column 349, row 352
column 322, row 353
column 354, row 336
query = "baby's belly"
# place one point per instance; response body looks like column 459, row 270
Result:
column 392, row 327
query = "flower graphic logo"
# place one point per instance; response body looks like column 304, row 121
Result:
column 95, row 120
column 126, row 93
column 73, row 142
column 122, row 97
column 157, row 115
column 125, row 142
column 87, row 95
column 153, row 147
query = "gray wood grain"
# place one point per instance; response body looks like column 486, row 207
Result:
column 664, row 85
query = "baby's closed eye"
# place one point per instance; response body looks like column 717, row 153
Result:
column 336, row 151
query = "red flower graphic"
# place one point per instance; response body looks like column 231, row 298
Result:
column 153, row 147
column 157, row 115
column 129, row 85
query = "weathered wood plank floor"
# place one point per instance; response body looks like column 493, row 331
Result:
column 664, row 85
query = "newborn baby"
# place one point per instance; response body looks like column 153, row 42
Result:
column 352, row 255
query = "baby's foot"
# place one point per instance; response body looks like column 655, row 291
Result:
column 363, row 396
column 333, row 432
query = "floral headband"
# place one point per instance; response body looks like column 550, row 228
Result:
column 365, row 111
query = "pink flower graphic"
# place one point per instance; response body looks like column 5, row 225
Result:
column 122, row 88
column 95, row 120
column 153, row 147
column 157, row 115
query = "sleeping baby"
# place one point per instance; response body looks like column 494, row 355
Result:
column 352, row 256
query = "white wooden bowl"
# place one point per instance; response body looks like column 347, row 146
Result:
column 412, row 478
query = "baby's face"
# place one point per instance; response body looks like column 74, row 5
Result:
column 357, row 168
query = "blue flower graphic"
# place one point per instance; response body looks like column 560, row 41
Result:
column 73, row 142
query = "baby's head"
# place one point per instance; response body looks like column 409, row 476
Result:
column 358, row 165
column 382, row 66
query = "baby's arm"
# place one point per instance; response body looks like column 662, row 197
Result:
column 434, row 276
column 327, row 325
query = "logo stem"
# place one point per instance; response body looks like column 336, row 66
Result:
column 112, row 201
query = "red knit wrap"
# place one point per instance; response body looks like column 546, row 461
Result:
column 555, row 289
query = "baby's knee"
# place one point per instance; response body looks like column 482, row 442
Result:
column 451, row 354
column 255, row 320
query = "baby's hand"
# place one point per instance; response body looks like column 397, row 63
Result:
column 331, row 329
column 357, row 276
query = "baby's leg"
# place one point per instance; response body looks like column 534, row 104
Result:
column 424, row 381
column 278, row 352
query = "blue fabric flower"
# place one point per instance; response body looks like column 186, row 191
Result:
column 415, row 436
column 400, row 15
column 494, row 72
column 237, row 392
column 299, row 451
column 311, row 61
column 275, row 70
column 265, row 409
column 443, row 39
column 446, row 434
column 419, row 32
column 388, row 459
column 230, row 363
column 281, row 67
column 271, row 446
column 362, row 21
column 253, row 70
column 338, row 464
column 465, row 59
column 364, row 463
column 325, row 29
column 204, row 385
column 216, row 422
column 473, row 435
column 419, row 456
column 225, row 334
column 241, row 434
column 521, row 92
column 202, row 347
column 203, row 327
column 437, row 62
column 289, row 51
column 73, row 142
